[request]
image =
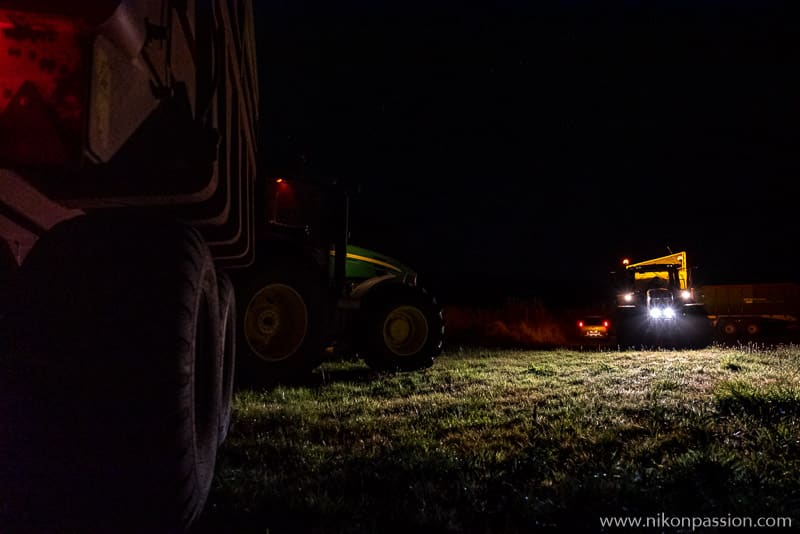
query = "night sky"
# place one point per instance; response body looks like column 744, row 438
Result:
column 512, row 148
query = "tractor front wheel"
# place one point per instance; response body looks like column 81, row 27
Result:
column 402, row 329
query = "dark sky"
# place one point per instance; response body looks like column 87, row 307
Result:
column 522, row 146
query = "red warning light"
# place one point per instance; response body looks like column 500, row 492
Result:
column 626, row 261
column 605, row 323
column 44, row 77
column 580, row 324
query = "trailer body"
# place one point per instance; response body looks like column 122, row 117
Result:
column 128, row 141
column 137, row 104
column 753, row 311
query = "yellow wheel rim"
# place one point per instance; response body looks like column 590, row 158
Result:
column 405, row 330
column 275, row 322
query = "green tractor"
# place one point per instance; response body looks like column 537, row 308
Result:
column 332, row 299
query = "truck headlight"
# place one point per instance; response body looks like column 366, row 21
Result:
column 628, row 297
column 686, row 294
column 669, row 313
column 655, row 313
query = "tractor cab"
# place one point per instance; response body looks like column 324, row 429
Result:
column 652, row 282
column 656, row 305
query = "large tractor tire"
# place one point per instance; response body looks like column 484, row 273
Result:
column 283, row 317
column 628, row 338
column 110, row 380
column 400, row 328
column 629, row 330
column 699, row 329
column 227, row 307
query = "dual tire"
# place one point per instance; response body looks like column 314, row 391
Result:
column 731, row 330
column 111, row 379
column 228, row 341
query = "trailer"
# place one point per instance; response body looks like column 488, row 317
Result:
column 128, row 133
column 752, row 312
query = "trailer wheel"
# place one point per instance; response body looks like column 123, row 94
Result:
column 401, row 329
column 227, row 306
column 283, row 312
column 110, row 379
column 728, row 329
column 753, row 329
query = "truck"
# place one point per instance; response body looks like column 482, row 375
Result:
column 754, row 311
column 334, row 299
column 128, row 187
column 657, row 305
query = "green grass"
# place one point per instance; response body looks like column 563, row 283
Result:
column 510, row 441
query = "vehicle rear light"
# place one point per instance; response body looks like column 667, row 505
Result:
column 44, row 80
column 580, row 324
column 605, row 323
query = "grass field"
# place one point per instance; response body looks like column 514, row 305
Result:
column 510, row 441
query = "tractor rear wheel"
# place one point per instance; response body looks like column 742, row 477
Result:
column 628, row 330
column 109, row 374
column 283, row 316
column 699, row 328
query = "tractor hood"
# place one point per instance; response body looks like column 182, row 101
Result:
column 363, row 263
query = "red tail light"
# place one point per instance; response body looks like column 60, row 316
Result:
column 44, row 79
column 580, row 324
column 605, row 323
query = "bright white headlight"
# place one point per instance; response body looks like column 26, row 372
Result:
column 655, row 313
column 686, row 294
column 628, row 297
column 669, row 313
